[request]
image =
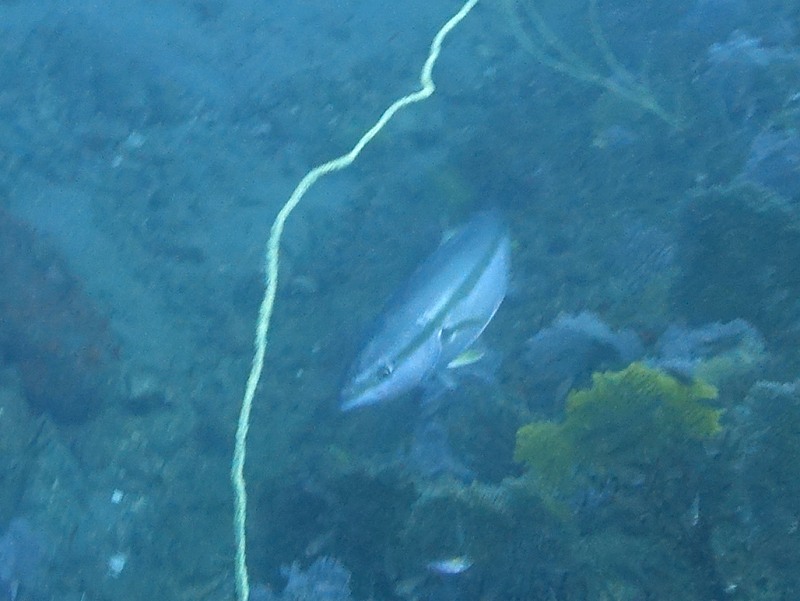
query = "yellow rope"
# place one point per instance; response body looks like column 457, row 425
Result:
column 272, row 259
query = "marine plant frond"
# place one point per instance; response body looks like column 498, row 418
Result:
column 636, row 417
column 537, row 38
column 640, row 395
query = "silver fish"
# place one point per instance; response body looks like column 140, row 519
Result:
column 442, row 310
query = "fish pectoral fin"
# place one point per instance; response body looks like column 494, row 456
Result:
column 468, row 357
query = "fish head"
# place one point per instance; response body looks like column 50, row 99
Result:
column 383, row 376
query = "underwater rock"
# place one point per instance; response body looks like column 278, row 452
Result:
column 747, row 79
column 755, row 538
column 712, row 19
column 51, row 331
column 684, row 344
column 715, row 353
column 774, row 162
column 745, row 49
column 564, row 354
column 642, row 254
column 144, row 391
column 737, row 257
column 18, row 453
column 21, row 556
column 430, row 455
column 325, row 580
column 516, row 548
column 352, row 511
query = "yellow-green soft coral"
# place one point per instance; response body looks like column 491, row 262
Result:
column 629, row 419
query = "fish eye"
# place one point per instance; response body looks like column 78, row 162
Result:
column 386, row 370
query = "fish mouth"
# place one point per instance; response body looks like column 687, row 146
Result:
column 351, row 404
column 349, row 401
column 354, row 395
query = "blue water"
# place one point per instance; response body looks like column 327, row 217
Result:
column 646, row 156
